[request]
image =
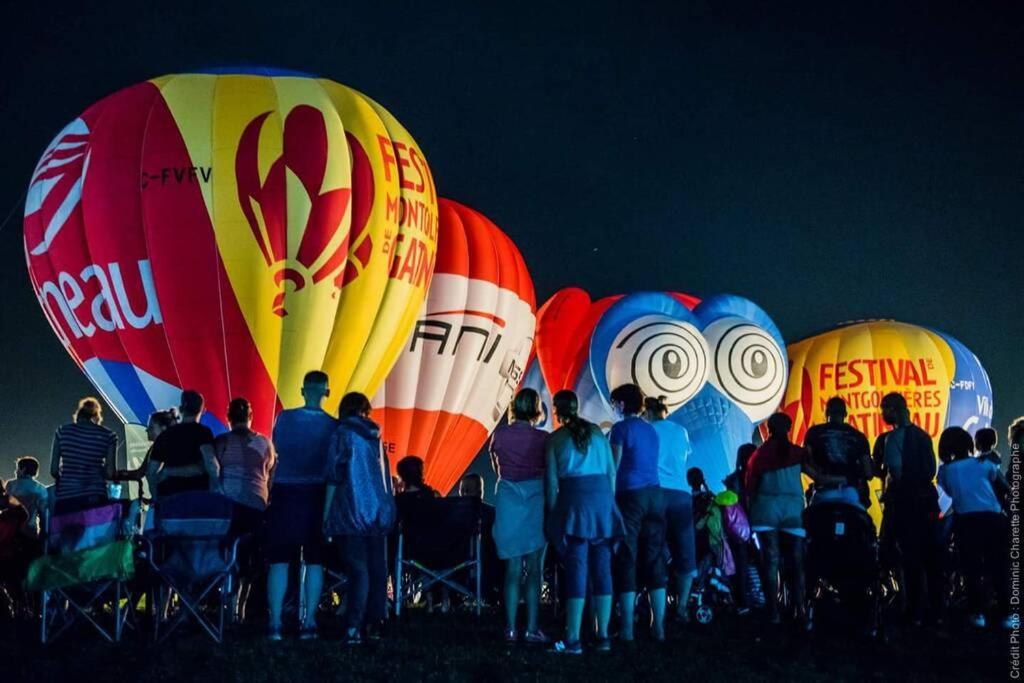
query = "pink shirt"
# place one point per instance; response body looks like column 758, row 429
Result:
column 246, row 462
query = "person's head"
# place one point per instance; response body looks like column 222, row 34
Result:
column 985, row 439
column 1015, row 434
column 239, row 413
column 955, row 443
column 835, row 410
column 27, row 467
column 655, row 408
column 354, row 404
column 743, row 454
column 192, row 405
column 159, row 421
column 567, row 407
column 526, row 406
column 695, row 478
column 894, row 409
column 472, row 486
column 315, row 388
column 627, row 399
column 779, row 425
column 410, row 469
column 88, row 410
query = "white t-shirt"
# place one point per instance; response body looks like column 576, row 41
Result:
column 673, row 451
column 968, row 482
column 32, row 496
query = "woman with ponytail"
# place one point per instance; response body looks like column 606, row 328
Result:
column 776, row 510
column 583, row 521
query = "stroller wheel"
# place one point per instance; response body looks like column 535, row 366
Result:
column 704, row 614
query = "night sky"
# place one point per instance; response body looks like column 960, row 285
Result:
column 830, row 164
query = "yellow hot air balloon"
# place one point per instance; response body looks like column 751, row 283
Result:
column 229, row 231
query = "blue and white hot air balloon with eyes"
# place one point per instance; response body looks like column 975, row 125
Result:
column 720, row 363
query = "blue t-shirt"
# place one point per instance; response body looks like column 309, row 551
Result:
column 638, row 467
column 302, row 439
column 673, row 451
column 969, row 482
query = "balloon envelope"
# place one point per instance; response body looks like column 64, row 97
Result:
column 467, row 353
column 228, row 232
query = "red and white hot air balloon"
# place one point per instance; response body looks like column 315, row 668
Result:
column 465, row 358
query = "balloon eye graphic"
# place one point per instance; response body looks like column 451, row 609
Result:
column 749, row 366
column 664, row 357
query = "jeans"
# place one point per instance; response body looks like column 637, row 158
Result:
column 773, row 543
column 363, row 560
column 583, row 559
column 909, row 543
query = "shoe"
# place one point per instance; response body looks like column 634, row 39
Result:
column 563, row 647
column 977, row 620
column 742, row 611
column 1011, row 622
column 536, row 637
column 603, row 645
column 511, row 637
column 658, row 635
column 774, row 618
column 274, row 633
column 352, row 638
column 308, row 633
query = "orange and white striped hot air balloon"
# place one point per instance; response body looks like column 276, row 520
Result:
column 464, row 360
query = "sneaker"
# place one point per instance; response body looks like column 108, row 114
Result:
column 977, row 620
column 563, row 647
column 308, row 633
column 536, row 637
column 603, row 645
column 274, row 633
column 511, row 637
column 352, row 638
column 1010, row 623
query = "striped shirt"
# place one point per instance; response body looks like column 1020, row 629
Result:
column 82, row 448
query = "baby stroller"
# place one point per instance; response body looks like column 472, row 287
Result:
column 842, row 563
column 723, row 522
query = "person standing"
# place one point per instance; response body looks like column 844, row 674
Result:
column 359, row 513
column 182, row 457
column 842, row 457
column 583, row 521
column 247, row 461
column 904, row 459
column 82, row 459
column 517, row 456
column 985, row 442
column 29, row 494
column 976, row 486
column 640, row 558
column 294, row 533
column 674, row 450
column 776, row 512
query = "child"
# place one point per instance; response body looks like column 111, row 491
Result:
column 985, row 442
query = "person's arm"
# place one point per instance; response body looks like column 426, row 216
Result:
column 110, row 461
column 494, row 456
column 328, row 499
column 1000, row 487
column 211, row 466
column 335, row 453
column 55, row 457
column 929, row 447
column 878, row 457
column 550, row 475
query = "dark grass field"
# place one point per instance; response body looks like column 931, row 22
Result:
column 467, row 648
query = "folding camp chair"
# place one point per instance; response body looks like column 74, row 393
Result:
column 194, row 561
column 439, row 541
column 89, row 559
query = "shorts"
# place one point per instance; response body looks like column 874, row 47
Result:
column 585, row 560
column 295, row 524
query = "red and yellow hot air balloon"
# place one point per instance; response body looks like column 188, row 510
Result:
column 229, row 231
column 465, row 358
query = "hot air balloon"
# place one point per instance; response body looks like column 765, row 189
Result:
column 229, row 231
column 465, row 358
column 719, row 364
column 943, row 381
